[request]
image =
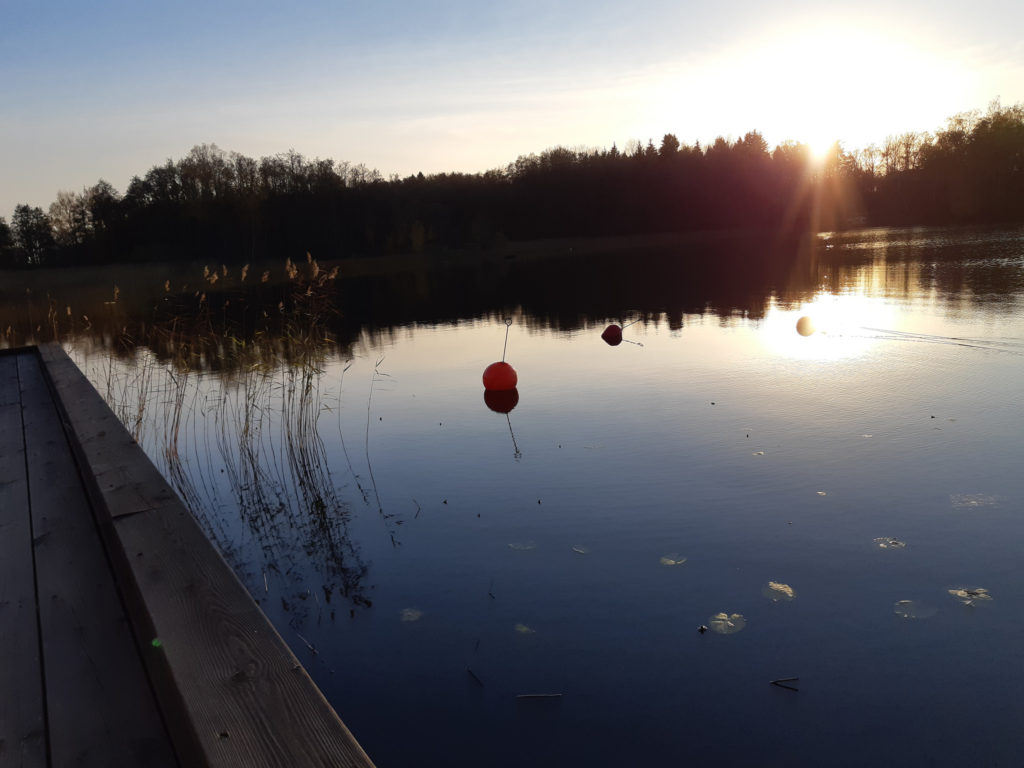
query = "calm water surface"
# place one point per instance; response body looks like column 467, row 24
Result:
column 431, row 560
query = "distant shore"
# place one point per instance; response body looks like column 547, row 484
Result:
column 46, row 277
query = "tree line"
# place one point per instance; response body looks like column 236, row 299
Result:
column 224, row 206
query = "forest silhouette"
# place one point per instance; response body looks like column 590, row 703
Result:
column 226, row 207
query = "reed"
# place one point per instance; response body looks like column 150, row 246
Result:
column 223, row 381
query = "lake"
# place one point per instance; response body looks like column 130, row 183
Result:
column 477, row 586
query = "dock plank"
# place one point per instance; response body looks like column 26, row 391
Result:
column 252, row 701
column 245, row 699
column 22, row 714
column 101, row 710
column 10, row 393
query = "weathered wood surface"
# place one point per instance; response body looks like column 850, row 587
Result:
column 22, row 717
column 230, row 687
column 100, row 707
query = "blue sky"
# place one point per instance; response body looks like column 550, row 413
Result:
column 108, row 89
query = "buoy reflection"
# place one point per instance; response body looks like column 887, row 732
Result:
column 501, row 400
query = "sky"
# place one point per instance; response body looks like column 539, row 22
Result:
column 110, row 88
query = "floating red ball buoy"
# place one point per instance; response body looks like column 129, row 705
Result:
column 501, row 400
column 805, row 326
column 500, row 376
column 612, row 335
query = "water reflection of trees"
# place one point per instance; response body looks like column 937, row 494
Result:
column 232, row 323
column 975, row 265
column 673, row 282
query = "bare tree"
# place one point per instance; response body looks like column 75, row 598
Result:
column 69, row 217
column 32, row 233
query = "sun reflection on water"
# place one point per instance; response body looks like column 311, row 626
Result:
column 827, row 327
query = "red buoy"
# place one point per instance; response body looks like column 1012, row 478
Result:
column 805, row 326
column 501, row 400
column 612, row 335
column 500, row 376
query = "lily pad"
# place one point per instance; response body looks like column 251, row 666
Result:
column 970, row 596
column 778, row 592
column 912, row 609
column 672, row 558
column 887, row 542
column 973, row 500
column 726, row 623
column 411, row 614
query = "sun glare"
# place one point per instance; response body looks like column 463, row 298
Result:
column 822, row 82
column 829, row 327
column 822, row 70
column 819, row 146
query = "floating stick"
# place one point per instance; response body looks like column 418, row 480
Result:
column 308, row 644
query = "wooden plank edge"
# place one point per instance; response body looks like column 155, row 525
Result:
column 172, row 708
column 31, row 349
column 23, row 721
column 165, row 672
column 101, row 707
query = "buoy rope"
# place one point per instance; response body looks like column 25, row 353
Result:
column 508, row 324
column 515, row 446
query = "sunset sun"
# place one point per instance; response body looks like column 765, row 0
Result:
column 819, row 144
column 822, row 82
column 835, row 80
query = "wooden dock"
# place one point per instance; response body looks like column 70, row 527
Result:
column 125, row 639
